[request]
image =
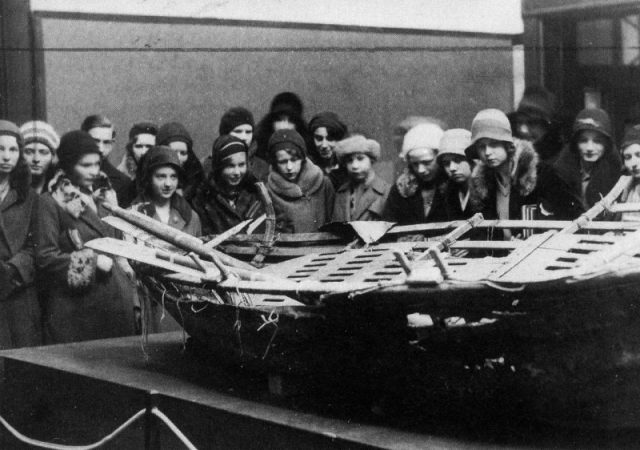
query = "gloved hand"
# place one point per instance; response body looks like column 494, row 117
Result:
column 9, row 280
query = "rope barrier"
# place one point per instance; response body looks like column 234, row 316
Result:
column 179, row 434
column 42, row 444
column 50, row 446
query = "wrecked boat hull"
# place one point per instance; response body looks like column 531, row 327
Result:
column 561, row 352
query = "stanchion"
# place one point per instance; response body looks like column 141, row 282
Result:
column 151, row 429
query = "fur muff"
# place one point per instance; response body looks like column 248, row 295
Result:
column 524, row 175
column 407, row 183
column 82, row 269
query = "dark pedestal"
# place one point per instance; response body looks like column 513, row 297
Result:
column 78, row 393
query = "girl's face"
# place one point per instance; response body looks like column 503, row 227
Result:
column 456, row 167
column 422, row 162
column 38, row 157
column 234, row 170
column 493, row 153
column 631, row 159
column 244, row 133
column 288, row 164
column 9, row 154
column 86, row 170
column 324, row 144
column 182, row 150
column 359, row 166
column 143, row 142
column 591, row 145
column 164, row 183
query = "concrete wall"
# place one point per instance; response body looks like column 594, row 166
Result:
column 191, row 71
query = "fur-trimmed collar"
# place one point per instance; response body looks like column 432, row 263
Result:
column 309, row 182
column 408, row 184
column 179, row 204
column 524, row 176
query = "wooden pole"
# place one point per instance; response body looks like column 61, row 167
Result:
column 176, row 237
column 452, row 237
column 599, row 207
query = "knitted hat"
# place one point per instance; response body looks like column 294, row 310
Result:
column 454, row 142
column 424, row 135
column 285, row 139
column 357, row 144
column 489, row 123
column 336, row 129
column 11, row 129
column 173, row 132
column 73, row 146
column 595, row 119
column 225, row 146
column 143, row 128
column 234, row 117
column 537, row 103
column 632, row 136
column 161, row 155
column 41, row 132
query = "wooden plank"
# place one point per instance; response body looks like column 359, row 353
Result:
column 147, row 255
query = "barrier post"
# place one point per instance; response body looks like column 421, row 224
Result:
column 151, row 429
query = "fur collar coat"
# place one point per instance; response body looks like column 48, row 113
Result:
column 524, row 180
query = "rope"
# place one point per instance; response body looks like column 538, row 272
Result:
column 179, row 434
column 41, row 444
column 48, row 445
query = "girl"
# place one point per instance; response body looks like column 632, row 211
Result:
column 505, row 176
column 90, row 296
column 454, row 163
column 159, row 178
column 176, row 136
column 413, row 196
column 40, row 144
column 142, row 136
column 327, row 129
column 301, row 194
column 363, row 196
column 585, row 170
column 229, row 196
column 20, row 316
column 158, row 198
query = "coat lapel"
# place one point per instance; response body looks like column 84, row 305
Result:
column 371, row 199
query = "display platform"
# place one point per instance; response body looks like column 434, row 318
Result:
column 77, row 393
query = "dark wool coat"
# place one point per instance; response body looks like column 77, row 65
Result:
column 405, row 205
column 369, row 206
column 451, row 203
column 20, row 316
column 217, row 214
column 523, row 189
column 104, row 308
column 305, row 206
column 119, row 181
column 562, row 183
column 181, row 216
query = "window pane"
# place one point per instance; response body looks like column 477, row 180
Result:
column 630, row 38
column 595, row 42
